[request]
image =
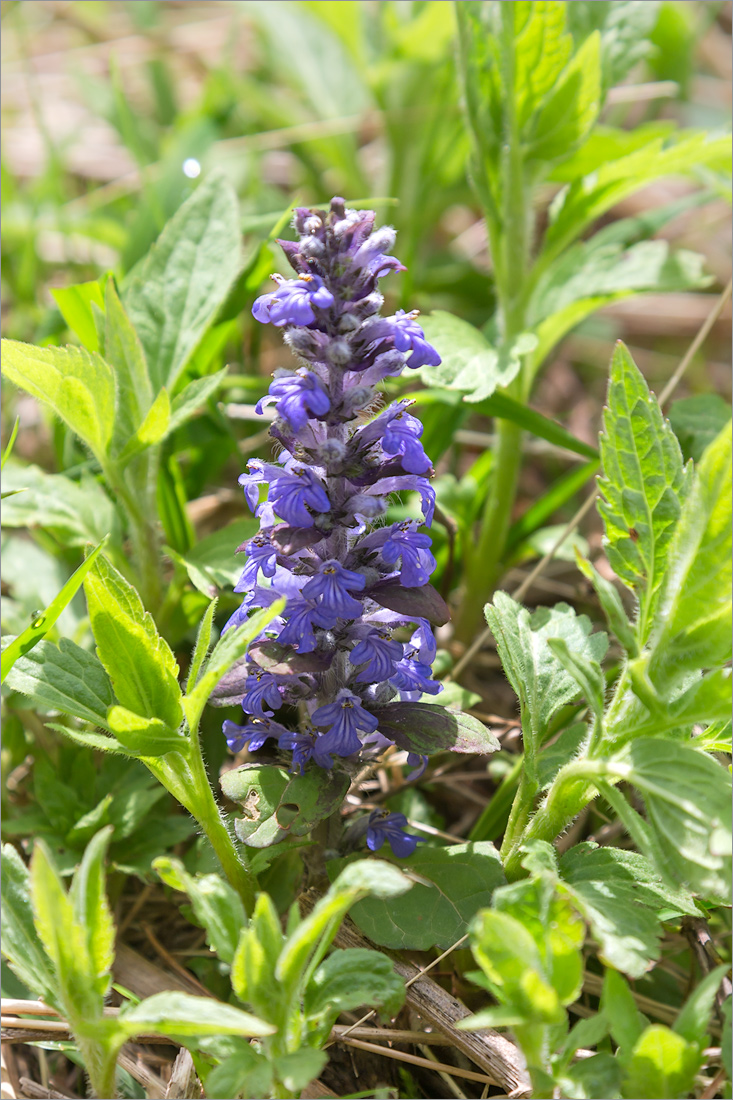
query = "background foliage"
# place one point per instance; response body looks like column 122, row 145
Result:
column 199, row 126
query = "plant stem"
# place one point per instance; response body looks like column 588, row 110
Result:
column 509, row 250
column 187, row 781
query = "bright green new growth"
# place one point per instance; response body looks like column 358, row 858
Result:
column 286, row 978
column 644, row 485
column 671, row 679
column 61, row 945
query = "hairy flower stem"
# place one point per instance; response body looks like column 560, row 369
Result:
column 187, row 781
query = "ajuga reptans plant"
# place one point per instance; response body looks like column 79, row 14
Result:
column 352, row 639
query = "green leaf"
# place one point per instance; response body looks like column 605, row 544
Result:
column 76, row 512
column 725, row 1040
column 694, row 1018
column 697, row 421
column 134, row 393
column 64, row 939
column 64, row 677
column 538, row 678
column 644, row 485
column 692, row 625
column 41, row 625
column 181, row 1016
column 349, row 979
column 620, row 895
column 451, row 885
column 506, row 408
column 605, row 269
column 589, row 197
column 144, row 736
column 308, row 943
column 551, row 920
column 155, row 426
column 192, row 397
column 216, row 906
column 212, row 563
column 569, row 111
column 20, row 942
column 76, row 384
column 201, row 648
column 255, row 959
column 469, row 362
column 173, row 295
column 138, row 660
column 243, row 1073
column 625, row 27
column 587, row 674
column 91, row 909
column 662, row 1064
column 511, row 960
column 625, row 1022
column 613, row 608
column 231, row 646
column 75, row 304
column 542, row 49
column 277, row 804
column 596, row 1078
column 296, row 1070
column 687, row 798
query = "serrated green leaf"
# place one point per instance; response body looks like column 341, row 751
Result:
column 538, row 678
column 619, row 894
column 41, row 625
column 21, row 945
column 76, row 384
column 91, row 909
column 661, row 1063
column 510, row 958
column 691, row 629
column 77, row 512
column 687, row 798
column 64, row 677
column 644, row 485
column 139, row 662
column 697, row 421
column 308, row 943
column 174, row 293
column 451, row 885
